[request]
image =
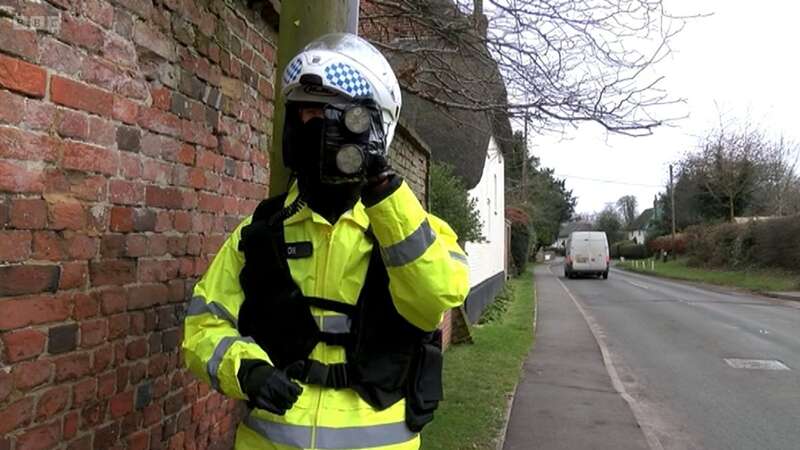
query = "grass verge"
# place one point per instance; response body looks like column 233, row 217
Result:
column 754, row 280
column 480, row 378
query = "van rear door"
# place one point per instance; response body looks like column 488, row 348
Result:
column 580, row 252
column 597, row 254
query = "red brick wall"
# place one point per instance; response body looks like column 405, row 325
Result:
column 132, row 140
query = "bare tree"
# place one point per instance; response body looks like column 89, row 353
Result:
column 608, row 220
column 739, row 169
column 559, row 61
column 777, row 192
column 627, row 208
column 726, row 167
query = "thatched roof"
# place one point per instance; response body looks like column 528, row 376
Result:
column 458, row 138
column 466, row 75
column 643, row 221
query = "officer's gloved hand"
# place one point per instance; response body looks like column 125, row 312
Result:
column 381, row 179
column 377, row 167
column 267, row 387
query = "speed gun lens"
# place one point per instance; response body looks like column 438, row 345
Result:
column 356, row 119
column 349, row 159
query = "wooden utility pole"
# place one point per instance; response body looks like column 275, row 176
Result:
column 672, row 201
column 525, row 163
column 302, row 22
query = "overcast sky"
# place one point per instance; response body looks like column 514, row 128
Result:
column 741, row 62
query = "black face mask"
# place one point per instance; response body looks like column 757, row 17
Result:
column 310, row 138
column 330, row 200
column 337, row 146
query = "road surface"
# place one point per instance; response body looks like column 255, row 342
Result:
column 699, row 368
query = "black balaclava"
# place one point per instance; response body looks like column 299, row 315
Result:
column 328, row 200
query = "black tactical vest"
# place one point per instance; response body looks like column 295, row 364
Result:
column 388, row 358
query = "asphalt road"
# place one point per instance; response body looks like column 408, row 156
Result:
column 668, row 343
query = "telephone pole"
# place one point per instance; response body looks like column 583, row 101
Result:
column 525, row 163
column 302, row 22
column 672, row 201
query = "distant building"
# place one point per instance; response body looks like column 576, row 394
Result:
column 567, row 228
column 639, row 229
column 754, row 219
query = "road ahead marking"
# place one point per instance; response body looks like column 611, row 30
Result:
column 756, row 364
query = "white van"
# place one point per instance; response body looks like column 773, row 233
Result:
column 586, row 253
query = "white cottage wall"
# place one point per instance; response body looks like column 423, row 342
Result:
column 486, row 259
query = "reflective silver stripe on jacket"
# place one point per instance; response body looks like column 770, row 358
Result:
column 216, row 359
column 333, row 324
column 409, row 248
column 363, row 437
column 199, row 305
column 331, row 438
column 459, row 257
column 280, row 433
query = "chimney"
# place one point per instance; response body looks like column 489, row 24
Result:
column 480, row 20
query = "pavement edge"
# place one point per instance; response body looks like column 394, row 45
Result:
column 501, row 440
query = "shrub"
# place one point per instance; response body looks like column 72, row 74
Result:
column 629, row 250
column 665, row 243
column 613, row 249
column 497, row 309
column 517, row 215
column 771, row 243
column 520, row 246
column 451, row 202
column 777, row 243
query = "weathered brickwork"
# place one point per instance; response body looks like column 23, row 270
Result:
column 410, row 157
column 133, row 138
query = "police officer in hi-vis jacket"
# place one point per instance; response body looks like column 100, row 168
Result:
column 321, row 310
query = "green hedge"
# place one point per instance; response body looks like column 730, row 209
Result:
column 666, row 244
column 771, row 243
column 520, row 246
column 628, row 250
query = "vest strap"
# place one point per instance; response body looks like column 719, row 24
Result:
column 311, row 371
column 331, row 305
column 341, row 339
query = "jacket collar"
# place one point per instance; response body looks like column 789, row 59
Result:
column 357, row 214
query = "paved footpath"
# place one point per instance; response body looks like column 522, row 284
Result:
column 566, row 399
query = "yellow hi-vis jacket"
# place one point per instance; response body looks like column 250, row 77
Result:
column 428, row 274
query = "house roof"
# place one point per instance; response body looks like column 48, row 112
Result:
column 643, row 221
column 458, row 138
column 466, row 75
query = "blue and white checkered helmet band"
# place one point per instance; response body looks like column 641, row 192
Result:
column 348, row 79
column 292, row 71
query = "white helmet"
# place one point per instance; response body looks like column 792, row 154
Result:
column 341, row 65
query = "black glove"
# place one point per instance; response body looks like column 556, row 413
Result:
column 374, row 193
column 377, row 167
column 267, row 387
column 381, row 181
